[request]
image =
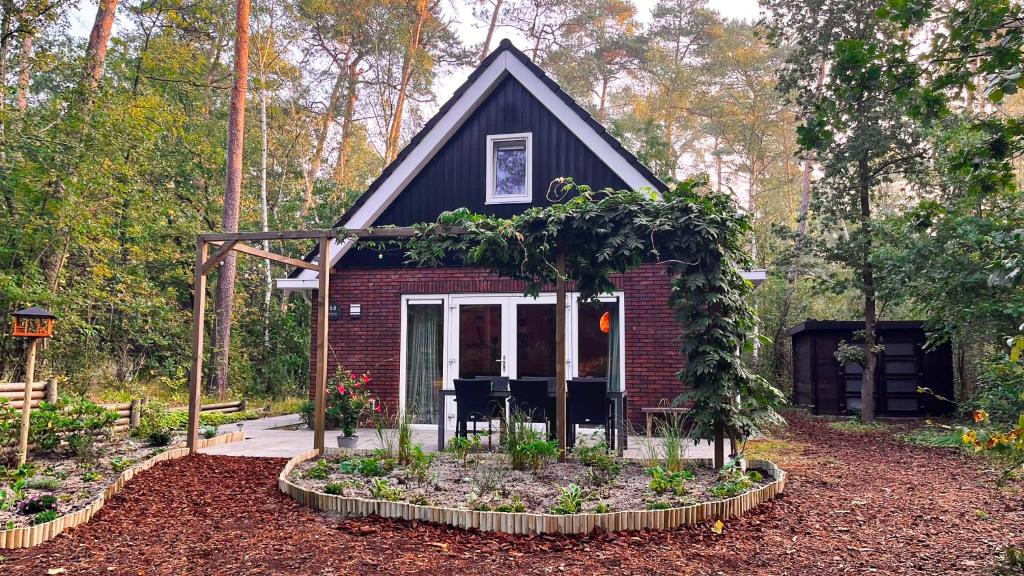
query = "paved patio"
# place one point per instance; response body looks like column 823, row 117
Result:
column 284, row 437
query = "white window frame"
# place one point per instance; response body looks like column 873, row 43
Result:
column 493, row 139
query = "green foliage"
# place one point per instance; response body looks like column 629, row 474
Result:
column 419, row 464
column 602, row 508
column 602, row 467
column 936, row 437
column 856, row 426
column 570, row 500
column 91, row 476
column 35, row 504
column 733, row 481
column 205, row 432
column 460, row 447
column 1000, row 391
column 319, row 471
column 44, row 517
column 526, row 447
column 514, row 504
column 347, row 400
column 657, row 505
column 120, row 463
column 70, row 425
column 366, row 466
column 382, row 490
column 695, row 231
column 49, row 483
column 1011, row 563
column 10, row 428
column 160, row 437
column 334, row 488
column 663, row 481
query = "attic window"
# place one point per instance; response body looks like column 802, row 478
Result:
column 509, row 159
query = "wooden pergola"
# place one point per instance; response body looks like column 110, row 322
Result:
column 225, row 242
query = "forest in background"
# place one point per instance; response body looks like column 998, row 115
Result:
column 112, row 157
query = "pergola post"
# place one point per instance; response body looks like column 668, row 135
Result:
column 322, row 300
column 560, row 393
column 198, row 318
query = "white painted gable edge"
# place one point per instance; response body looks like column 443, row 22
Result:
column 439, row 134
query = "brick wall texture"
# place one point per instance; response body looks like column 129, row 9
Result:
column 372, row 343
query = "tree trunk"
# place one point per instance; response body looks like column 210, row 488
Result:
column 23, row 71
column 264, row 215
column 5, row 43
column 96, row 51
column 232, row 194
column 408, row 65
column 490, row 29
column 867, row 391
column 603, row 99
column 345, row 148
column 321, row 139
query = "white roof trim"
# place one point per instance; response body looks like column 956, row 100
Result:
column 505, row 64
column 757, row 276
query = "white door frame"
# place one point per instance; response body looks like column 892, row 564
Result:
column 450, row 340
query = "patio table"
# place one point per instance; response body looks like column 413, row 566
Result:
column 616, row 399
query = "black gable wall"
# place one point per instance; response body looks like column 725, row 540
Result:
column 456, row 176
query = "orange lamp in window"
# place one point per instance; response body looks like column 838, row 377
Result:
column 34, row 322
column 605, row 322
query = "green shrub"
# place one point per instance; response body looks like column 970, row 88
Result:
column 663, row 481
column 207, row 431
column 366, row 466
column 1000, row 391
column 160, row 437
column 602, row 467
column 479, row 506
column 70, row 425
column 420, row 500
column 120, row 463
column 36, row 504
column 382, row 490
column 45, row 516
column 732, row 480
column 419, row 464
column 335, row 488
column 91, row 476
column 602, row 508
column 526, row 447
column 460, row 447
column 319, row 471
column 10, row 428
column 570, row 500
column 50, row 483
column 657, row 505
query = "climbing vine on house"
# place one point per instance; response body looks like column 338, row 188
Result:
column 696, row 232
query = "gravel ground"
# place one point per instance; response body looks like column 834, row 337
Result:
column 855, row 504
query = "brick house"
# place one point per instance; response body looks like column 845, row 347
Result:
column 495, row 147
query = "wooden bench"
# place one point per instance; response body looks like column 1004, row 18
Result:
column 650, row 412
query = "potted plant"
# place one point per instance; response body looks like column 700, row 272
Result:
column 347, row 401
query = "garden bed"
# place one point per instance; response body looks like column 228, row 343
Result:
column 487, row 482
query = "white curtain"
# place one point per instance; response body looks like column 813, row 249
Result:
column 423, row 361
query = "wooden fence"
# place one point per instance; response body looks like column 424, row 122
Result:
column 533, row 523
column 14, row 392
column 129, row 413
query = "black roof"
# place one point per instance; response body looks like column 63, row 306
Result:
column 504, row 46
column 34, row 312
column 852, row 325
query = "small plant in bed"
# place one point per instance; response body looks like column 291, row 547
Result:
column 335, row 488
column 570, row 500
column 602, row 467
column 663, row 481
column 526, row 447
column 208, row 432
column 732, row 480
column 120, row 463
column 514, row 504
column 368, row 466
column 460, row 447
column 35, row 504
column 382, row 490
column 48, row 483
column 419, row 465
column 45, row 516
column 91, row 476
column 657, row 505
column 319, row 471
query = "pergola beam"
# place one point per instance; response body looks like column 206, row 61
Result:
column 218, row 256
column 360, row 233
column 253, row 251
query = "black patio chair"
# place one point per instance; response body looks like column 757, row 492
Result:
column 473, row 404
column 588, row 406
column 530, row 396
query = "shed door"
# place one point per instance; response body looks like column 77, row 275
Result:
column 900, row 378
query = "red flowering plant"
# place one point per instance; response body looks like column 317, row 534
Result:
column 347, row 400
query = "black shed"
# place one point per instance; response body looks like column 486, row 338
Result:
column 823, row 385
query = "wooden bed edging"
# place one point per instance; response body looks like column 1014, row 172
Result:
column 531, row 523
column 28, row 536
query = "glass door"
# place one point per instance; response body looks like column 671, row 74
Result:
column 480, row 339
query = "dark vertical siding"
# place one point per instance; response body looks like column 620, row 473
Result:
column 455, row 177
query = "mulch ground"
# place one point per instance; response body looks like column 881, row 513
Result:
column 855, row 504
